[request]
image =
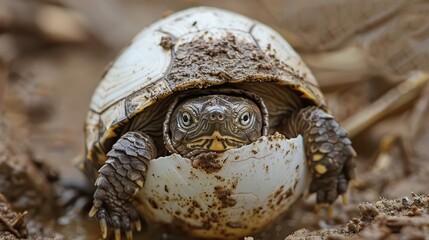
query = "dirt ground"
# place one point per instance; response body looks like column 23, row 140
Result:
column 363, row 52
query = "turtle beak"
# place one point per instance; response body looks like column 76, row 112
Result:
column 217, row 143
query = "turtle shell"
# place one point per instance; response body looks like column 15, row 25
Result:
column 196, row 48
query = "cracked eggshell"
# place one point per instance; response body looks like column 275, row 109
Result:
column 230, row 194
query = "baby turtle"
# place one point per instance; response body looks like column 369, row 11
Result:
column 229, row 100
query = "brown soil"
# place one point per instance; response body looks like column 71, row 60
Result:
column 27, row 191
column 406, row 218
column 48, row 74
column 11, row 223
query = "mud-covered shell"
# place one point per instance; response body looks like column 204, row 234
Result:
column 240, row 192
column 195, row 48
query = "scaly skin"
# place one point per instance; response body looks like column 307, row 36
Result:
column 215, row 124
column 120, row 178
column 328, row 150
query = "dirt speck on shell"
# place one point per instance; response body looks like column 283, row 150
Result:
column 167, row 43
column 207, row 162
column 236, row 225
column 224, row 196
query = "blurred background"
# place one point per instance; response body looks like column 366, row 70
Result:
column 368, row 56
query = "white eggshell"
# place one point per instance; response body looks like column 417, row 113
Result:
column 251, row 187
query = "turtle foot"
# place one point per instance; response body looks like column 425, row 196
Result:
column 329, row 153
column 119, row 180
column 116, row 217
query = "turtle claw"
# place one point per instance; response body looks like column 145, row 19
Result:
column 328, row 207
column 129, row 235
column 138, row 225
column 103, row 227
column 92, row 212
column 117, row 220
column 355, row 182
column 117, row 234
column 330, row 211
column 345, row 199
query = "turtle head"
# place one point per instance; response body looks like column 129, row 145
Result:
column 214, row 123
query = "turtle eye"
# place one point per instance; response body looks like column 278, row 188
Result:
column 186, row 119
column 245, row 119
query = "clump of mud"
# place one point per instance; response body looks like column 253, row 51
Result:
column 11, row 222
column 24, row 181
column 27, row 195
column 389, row 218
column 19, row 225
column 405, row 218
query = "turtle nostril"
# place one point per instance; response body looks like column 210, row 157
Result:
column 217, row 116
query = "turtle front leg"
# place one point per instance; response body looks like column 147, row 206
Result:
column 328, row 150
column 120, row 178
